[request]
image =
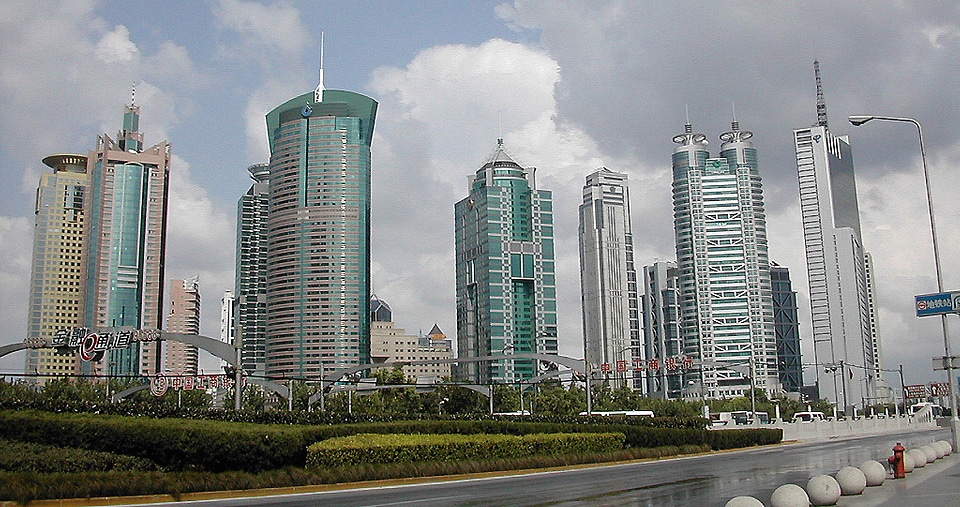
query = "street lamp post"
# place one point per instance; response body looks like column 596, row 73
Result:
column 951, row 379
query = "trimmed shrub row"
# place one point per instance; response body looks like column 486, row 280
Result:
column 393, row 448
column 24, row 487
column 29, row 457
column 184, row 444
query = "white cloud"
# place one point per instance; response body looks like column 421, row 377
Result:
column 939, row 35
column 16, row 247
column 276, row 26
column 116, row 47
column 200, row 241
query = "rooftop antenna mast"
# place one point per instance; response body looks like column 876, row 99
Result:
column 133, row 94
column 821, row 104
column 318, row 93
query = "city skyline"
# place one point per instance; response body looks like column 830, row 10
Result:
column 582, row 91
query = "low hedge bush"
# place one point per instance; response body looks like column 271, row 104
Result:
column 394, row 448
column 29, row 457
column 218, row 446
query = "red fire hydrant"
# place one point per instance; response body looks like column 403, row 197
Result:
column 896, row 462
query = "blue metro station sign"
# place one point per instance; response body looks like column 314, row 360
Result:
column 938, row 304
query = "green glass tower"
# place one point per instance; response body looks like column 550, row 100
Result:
column 506, row 283
column 318, row 233
column 127, row 240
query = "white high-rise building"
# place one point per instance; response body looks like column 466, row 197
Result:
column 608, row 278
column 726, row 305
column 846, row 346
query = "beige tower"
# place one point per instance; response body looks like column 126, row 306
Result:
column 57, row 273
column 184, row 317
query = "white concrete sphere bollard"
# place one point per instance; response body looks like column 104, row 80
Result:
column 743, row 501
column 946, row 446
column 919, row 458
column 852, row 481
column 908, row 462
column 937, row 448
column 874, row 471
column 789, row 495
column 823, row 490
column 930, row 453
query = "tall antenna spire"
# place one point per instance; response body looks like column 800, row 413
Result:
column 133, row 94
column 735, row 135
column 318, row 93
column 821, row 104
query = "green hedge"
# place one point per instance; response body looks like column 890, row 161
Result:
column 186, row 444
column 736, row 439
column 29, row 457
column 396, row 448
column 174, row 444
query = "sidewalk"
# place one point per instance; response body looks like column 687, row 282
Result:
column 935, row 485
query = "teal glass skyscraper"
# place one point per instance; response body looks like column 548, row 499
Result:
column 318, row 233
column 127, row 240
column 726, row 307
column 506, row 283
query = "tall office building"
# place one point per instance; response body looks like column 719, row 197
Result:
column 59, row 262
column 318, row 233
column 786, row 325
column 661, row 328
column 843, row 322
column 506, row 284
column 726, row 309
column 127, row 213
column 608, row 278
column 251, row 270
column 184, row 317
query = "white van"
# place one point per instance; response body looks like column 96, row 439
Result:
column 808, row 417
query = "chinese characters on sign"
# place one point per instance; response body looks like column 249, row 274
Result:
column 93, row 344
column 916, row 392
column 159, row 384
column 668, row 364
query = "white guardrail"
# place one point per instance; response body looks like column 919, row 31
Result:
column 814, row 430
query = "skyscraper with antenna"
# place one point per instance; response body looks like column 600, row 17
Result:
column 846, row 343
column 127, row 215
column 725, row 301
column 318, row 232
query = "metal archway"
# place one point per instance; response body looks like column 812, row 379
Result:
column 328, row 380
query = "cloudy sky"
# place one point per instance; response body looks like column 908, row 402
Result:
column 571, row 85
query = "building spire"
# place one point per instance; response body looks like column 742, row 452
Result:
column 735, row 135
column 318, row 93
column 821, row 104
column 133, row 94
column 688, row 136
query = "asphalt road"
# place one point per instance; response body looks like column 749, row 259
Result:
column 699, row 481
